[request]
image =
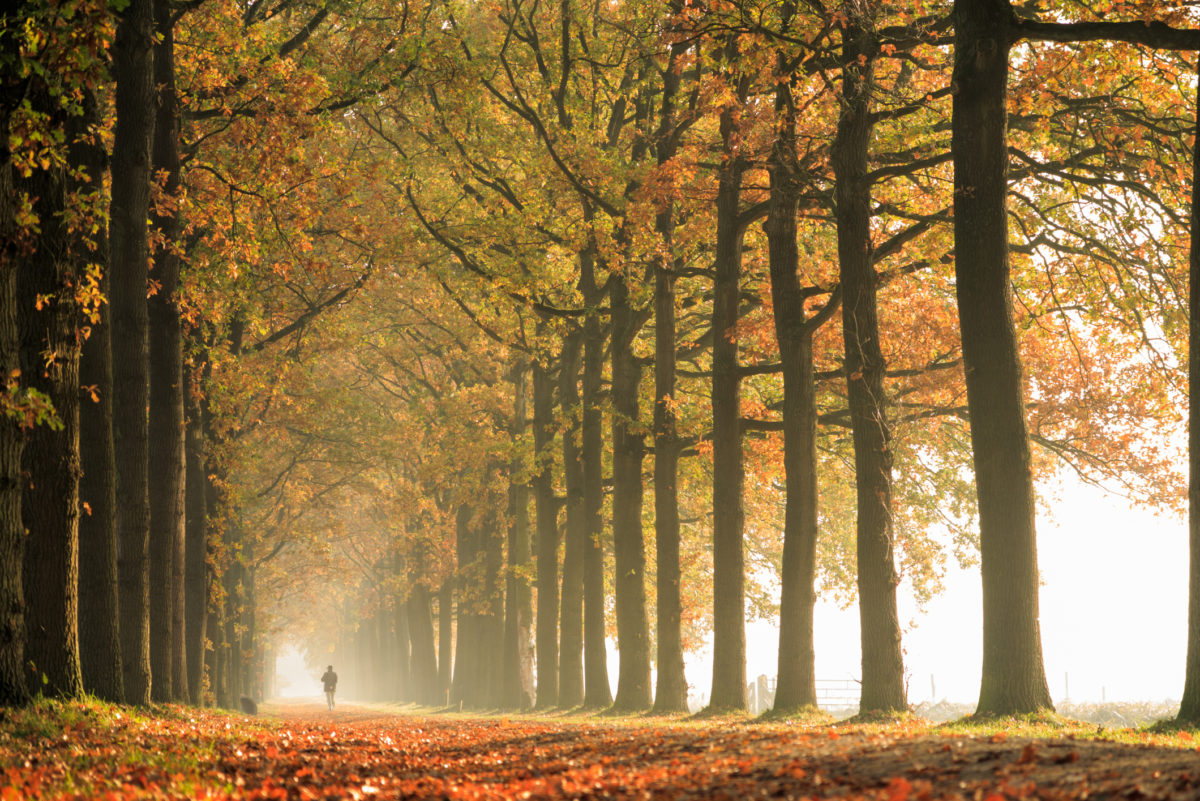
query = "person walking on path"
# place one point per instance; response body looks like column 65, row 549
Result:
column 329, row 679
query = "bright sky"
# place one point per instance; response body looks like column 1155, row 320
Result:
column 1113, row 611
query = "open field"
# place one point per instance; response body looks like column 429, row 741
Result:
column 300, row 751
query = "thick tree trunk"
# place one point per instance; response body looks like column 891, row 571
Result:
column 99, row 632
column 796, row 677
column 445, row 659
column 570, row 657
column 13, row 689
column 882, row 662
column 517, row 689
column 670, row 693
column 424, row 657
column 50, row 508
column 729, row 580
column 133, row 70
column 629, row 548
column 546, row 514
column 166, row 431
column 196, row 575
column 1014, row 679
column 469, row 650
column 491, row 688
column 595, row 657
column 1189, row 706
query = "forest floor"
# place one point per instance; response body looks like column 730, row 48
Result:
column 89, row 750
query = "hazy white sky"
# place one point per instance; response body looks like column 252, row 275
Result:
column 1113, row 613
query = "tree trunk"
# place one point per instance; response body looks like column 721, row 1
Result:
column 13, row 689
column 570, row 656
column 629, row 548
column 1014, row 680
column 424, row 658
column 595, row 657
column 729, row 625
column 1189, row 706
column 492, row 614
column 445, row 639
column 99, row 632
column 796, row 677
column 469, row 651
column 50, row 508
column 546, row 513
column 166, row 431
column 882, row 662
column 517, row 689
column 196, row 575
column 670, row 694
column 134, row 74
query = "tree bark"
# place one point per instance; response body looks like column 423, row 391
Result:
column 424, row 658
column 13, row 689
column 729, row 580
column 595, row 657
column 570, row 664
column 546, row 514
column 469, row 650
column 445, row 659
column 134, row 74
column 99, row 631
column 670, row 690
column 1189, row 706
column 629, row 548
column 517, row 691
column 882, row 662
column 49, row 323
column 1014, row 680
column 796, row 677
column 196, row 573
column 166, row 429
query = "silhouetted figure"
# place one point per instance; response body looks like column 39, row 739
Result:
column 329, row 679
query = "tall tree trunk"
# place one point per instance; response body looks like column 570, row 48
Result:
column 629, row 548
column 419, row 609
column 796, row 677
column 517, row 690
column 1014, row 679
column 596, row 691
column 134, row 74
column 13, row 689
column 570, row 656
column 445, row 659
column 196, row 575
column 50, row 509
column 729, row 579
column 670, row 690
column 469, row 651
column 882, row 662
column 491, row 688
column 546, row 514
column 1189, row 706
column 166, row 488
column 99, row 631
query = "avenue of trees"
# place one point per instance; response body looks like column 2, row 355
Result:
column 455, row 339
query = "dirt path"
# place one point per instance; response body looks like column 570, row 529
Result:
column 358, row 753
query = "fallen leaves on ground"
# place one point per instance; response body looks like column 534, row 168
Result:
column 82, row 751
